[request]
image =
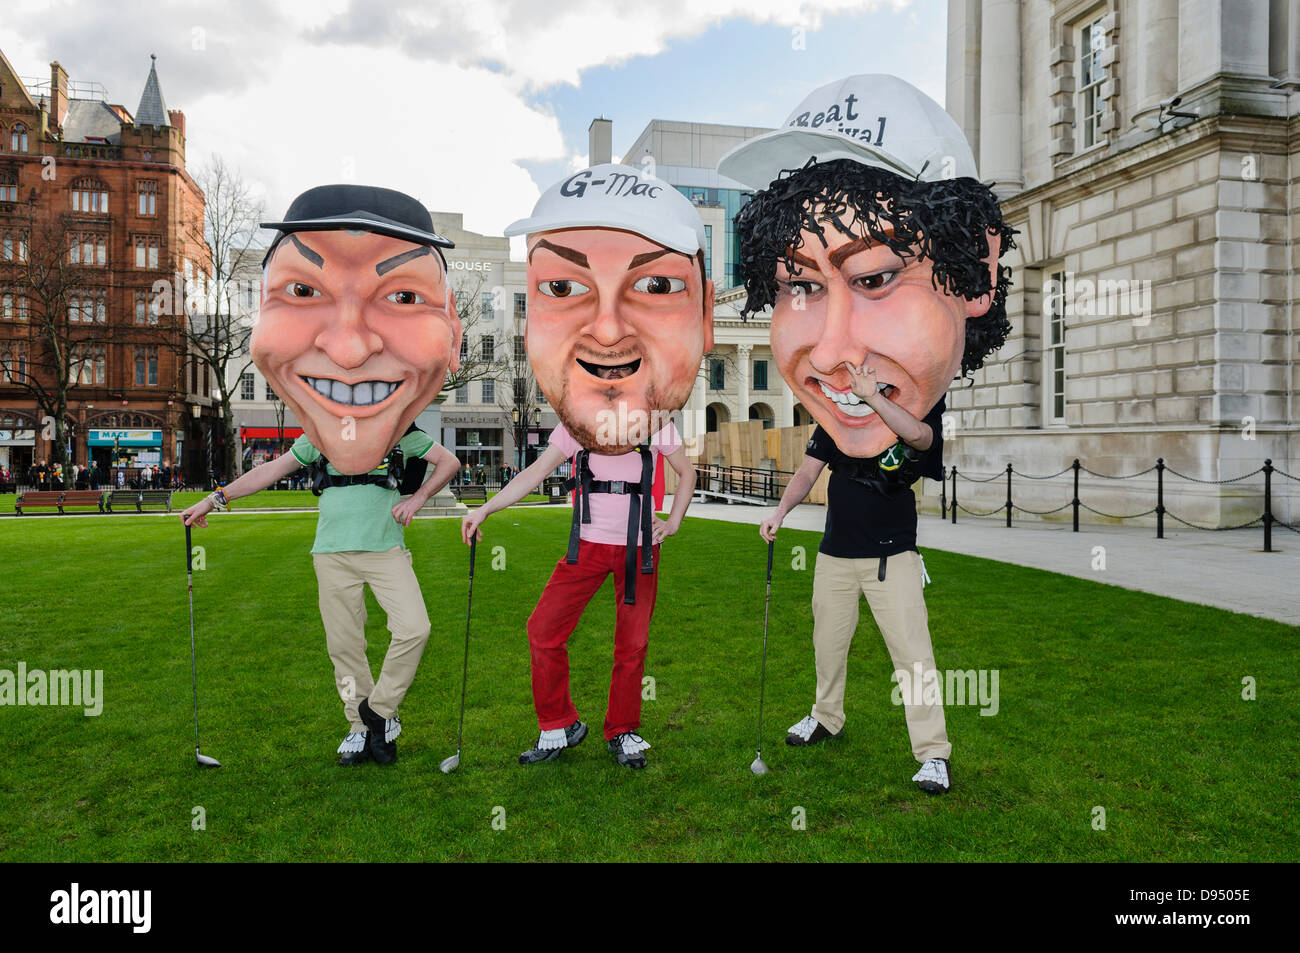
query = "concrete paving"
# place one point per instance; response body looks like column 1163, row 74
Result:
column 1227, row 569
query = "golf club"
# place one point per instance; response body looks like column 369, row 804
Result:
column 451, row 764
column 758, row 767
column 203, row 760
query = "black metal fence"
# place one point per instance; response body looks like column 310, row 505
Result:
column 741, row 481
column 950, row 507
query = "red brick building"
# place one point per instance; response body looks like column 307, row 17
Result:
column 117, row 184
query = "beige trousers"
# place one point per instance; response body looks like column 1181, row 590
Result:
column 341, row 578
column 899, row 610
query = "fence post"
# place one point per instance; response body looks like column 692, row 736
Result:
column 1268, row 506
column 1008, row 496
column 954, row 494
column 1160, row 498
column 1075, row 501
column 943, row 494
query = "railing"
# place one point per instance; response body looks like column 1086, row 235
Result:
column 741, row 481
column 1160, row 510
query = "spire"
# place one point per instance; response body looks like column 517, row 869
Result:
column 152, row 111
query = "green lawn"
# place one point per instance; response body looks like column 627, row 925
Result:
column 1108, row 698
column 267, row 499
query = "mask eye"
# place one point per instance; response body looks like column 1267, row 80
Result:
column 562, row 288
column 406, row 297
column 296, row 289
column 659, row 285
column 877, row 281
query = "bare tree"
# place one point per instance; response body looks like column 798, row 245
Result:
column 218, row 320
column 477, row 319
column 519, row 396
column 46, row 278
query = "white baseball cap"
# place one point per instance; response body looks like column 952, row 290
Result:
column 873, row 118
column 617, row 196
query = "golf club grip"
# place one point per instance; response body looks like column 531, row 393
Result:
column 473, row 545
column 189, row 550
column 771, row 545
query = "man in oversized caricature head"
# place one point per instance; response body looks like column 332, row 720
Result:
column 620, row 314
column 877, row 248
column 356, row 334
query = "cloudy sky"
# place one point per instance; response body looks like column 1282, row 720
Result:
column 471, row 105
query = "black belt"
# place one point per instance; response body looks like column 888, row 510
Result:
column 639, row 512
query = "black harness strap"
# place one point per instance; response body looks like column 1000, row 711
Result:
column 640, row 513
column 880, row 573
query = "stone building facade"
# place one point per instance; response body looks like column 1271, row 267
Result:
column 1149, row 155
column 116, row 183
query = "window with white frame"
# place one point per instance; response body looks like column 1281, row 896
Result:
column 488, row 345
column 88, row 364
column 13, row 245
column 246, row 382
column 1054, row 348
column 146, row 192
column 146, row 366
column 8, row 186
column 462, row 394
column 88, row 307
column 1092, row 108
column 88, row 249
column 489, row 391
column 89, row 197
column 13, row 361
column 147, row 249
column 18, row 138
column 13, row 305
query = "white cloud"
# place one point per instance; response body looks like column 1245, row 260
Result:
column 429, row 99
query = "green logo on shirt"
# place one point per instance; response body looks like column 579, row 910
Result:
column 892, row 458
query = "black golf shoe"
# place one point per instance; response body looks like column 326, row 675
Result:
column 573, row 736
column 627, row 749
column 934, row 777
column 381, row 738
column 355, row 749
column 809, row 731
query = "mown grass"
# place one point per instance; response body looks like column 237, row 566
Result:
column 1109, row 698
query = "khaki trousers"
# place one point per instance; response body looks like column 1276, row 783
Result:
column 341, row 578
column 899, row 610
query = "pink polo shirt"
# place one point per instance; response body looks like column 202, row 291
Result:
column 609, row 510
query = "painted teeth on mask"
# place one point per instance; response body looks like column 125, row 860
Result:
column 849, row 402
column 363, row 394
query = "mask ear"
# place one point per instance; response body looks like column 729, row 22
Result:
column 978, row 307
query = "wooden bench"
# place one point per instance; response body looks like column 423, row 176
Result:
column 463, row 493
column 33, row 499
column 140, row 499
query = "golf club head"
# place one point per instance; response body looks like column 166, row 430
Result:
column 450, row 764
column 204, row 761
column 758, row 767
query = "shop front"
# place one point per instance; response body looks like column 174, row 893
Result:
column 16, row 448
column 261, row 444
column 130, row 450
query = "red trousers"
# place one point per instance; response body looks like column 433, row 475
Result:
column 563, row 600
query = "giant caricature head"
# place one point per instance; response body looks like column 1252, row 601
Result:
column 873, row 242
column 358, row 326
column 619, row 311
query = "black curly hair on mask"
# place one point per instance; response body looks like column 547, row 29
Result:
column 947, row 222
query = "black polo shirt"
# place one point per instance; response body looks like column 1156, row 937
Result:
column 872, row 510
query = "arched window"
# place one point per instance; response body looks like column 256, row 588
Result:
column 90, row 196
column 18, row 138
column 8, row 185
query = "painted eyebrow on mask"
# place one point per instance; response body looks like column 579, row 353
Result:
column 388, row 264
column 569, row 254
column 837, row 257
column 312, row 256
column 649, row 256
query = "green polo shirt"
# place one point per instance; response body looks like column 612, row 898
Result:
column 359, row 518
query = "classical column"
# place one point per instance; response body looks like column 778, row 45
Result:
column 786, row 418
column 742, row 379
column 1000, row 129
